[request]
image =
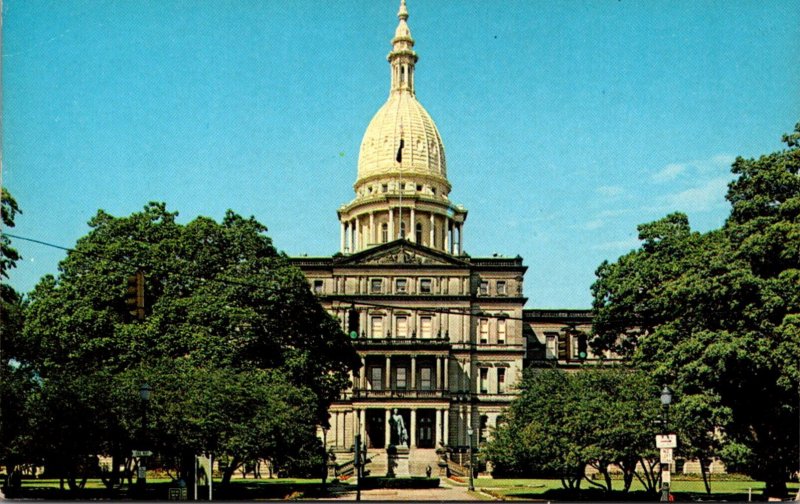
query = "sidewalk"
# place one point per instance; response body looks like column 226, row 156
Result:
column 445, row 492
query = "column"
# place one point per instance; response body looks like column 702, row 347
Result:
column 387, row 427
column 438, row 373
column 447, row 234
column 413, row 230
column 371, row 228
column 460, row 238
column 363, row 379
column 432, row 242
column 446, row 415
column 413, row 372
column 447, row 373
column 391, row 224
column 354, row 235
column 413, row 436
column 363, row 421
column 388, row 380
column 438, row 437
column 343, row 232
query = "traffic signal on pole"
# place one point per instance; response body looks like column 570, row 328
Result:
column 353, row 323
column 562, row 346
column 583, row 347
column 135, row 295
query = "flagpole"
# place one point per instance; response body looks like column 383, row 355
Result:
column 400, row 169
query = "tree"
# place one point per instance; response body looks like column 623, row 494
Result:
column 239, row 353
column 16, row 385
column 563, row 422
column 717, row 315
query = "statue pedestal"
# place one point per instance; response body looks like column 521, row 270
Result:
column 397, row 464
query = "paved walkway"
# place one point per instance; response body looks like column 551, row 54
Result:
column 445, row 492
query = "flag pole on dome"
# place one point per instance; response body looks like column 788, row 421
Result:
column 399, row 159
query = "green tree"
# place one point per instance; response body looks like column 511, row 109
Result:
column 16, row 384
column 717, row 315
column 239, row 353
column 563, row 422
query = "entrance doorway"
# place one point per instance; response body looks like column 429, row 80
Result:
column 376, row 428
column 425, row 428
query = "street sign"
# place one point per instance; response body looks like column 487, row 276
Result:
column 665, row 476
column 666, row 441
column 141, row 453
column 666, row 455
column 142, row 472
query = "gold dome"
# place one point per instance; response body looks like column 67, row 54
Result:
column 402, row 117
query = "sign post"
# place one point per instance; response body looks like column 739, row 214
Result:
column 666, row 443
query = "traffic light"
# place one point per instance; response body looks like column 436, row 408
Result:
column 135, row 296
column 563, row 344
column 583, row 348
column 353, row 323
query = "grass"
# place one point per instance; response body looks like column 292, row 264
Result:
column 158, row 488
column 684, row 490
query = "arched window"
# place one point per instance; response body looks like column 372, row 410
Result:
column 418, row 233
column 384, row 233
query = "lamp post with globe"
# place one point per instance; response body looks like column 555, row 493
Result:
column 666, row 400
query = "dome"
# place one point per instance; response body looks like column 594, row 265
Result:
column 402, row 117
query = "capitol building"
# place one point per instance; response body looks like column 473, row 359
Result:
column 443, row 337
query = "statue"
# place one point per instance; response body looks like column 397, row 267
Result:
column 399, row 434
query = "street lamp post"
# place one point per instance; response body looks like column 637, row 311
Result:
column 666, row 400
column 469, row 445
column 144, row 394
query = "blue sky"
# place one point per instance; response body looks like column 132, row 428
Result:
column 565, row 123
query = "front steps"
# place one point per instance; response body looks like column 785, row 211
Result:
column 419, row 460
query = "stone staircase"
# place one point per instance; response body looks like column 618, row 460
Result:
column 419, row 460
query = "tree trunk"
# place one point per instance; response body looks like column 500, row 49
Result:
column 232, row 466
column 706, row 477
column 776, row 487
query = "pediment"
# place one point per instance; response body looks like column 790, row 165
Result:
column 401, row 252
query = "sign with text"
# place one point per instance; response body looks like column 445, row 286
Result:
column 665, row 475
column 141, row 453
column 666, row 441
column 666, row 455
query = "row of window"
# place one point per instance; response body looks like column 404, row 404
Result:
column 500, row 288
column 483, row 331
column 500, row 382
column 401, row 327
column 401, row 378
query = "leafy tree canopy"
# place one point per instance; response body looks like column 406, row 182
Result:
column 717, row 316
column 234, row 344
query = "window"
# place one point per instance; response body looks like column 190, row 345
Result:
column 400, row 285
column 426, row 378
column 501, row 331
column 418, row 232
column 425, row 327
column 484, row 380
column 384, row 233
column 401, row 378
column 550, row 345
column 377, row 327
column 402, row 230
column 573, row 347
column 425, row 285
column 376, row 285
column 484, row 430
column 501, row 380
column 385, row 188
column 402, row 327
column 484, row 288
column 501, row 287
column 318, row 284
column 419, row 188
column 484, row 330
column 376, row 378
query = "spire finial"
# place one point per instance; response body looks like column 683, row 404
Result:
column 403, row 12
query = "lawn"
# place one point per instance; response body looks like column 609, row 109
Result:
column 158, row 489
column 684, row 490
